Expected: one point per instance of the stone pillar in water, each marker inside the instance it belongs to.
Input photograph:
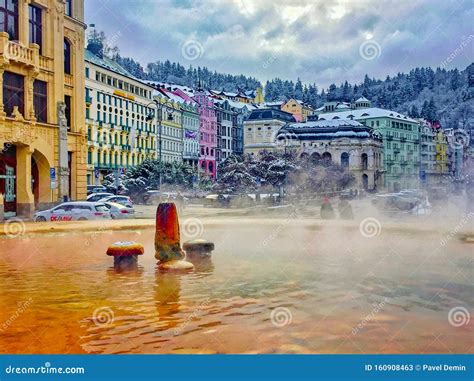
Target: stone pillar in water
(167, 239)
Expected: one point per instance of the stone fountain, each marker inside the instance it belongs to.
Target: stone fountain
(167, 240)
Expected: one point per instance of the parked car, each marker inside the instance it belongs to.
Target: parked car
(240, 200)
(95, 189)
(151, 197)
(394, 201)
(122, 200)
(74, 211)
(98, 196)
(120, 212)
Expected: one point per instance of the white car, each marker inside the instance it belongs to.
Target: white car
(122, 200)
(98, 196)
(74, 211)
(120, 212)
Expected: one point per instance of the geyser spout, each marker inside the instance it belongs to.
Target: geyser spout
(168, 241)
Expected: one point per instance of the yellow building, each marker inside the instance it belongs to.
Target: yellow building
(441, 152)
(300, 110)
(259, 97)
(41, 72)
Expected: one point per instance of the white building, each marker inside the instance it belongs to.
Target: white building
(117, 106)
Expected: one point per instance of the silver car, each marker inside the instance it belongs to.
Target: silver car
(120, 212)
(74, 211)
(98, 196)
(122, 200)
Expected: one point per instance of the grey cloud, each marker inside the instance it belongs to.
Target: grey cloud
(317, 41)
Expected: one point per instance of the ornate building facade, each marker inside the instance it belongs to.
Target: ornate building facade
(345, 142)
(42, 83)
(117, 106)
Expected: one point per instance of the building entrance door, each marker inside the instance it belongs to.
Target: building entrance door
(8, 181)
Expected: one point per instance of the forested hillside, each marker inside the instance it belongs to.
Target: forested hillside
(435, 94)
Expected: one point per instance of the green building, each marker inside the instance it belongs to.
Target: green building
(401, 140)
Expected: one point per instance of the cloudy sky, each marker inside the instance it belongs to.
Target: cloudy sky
(318, 41)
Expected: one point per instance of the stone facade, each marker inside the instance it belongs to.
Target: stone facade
(346, 143)
(36, 77)
(261, 128)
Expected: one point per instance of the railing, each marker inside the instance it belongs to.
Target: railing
(46, 63)
(15, 51)
(68, 80)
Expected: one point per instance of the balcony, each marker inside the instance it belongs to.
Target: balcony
(88, 99)
(389, 137)
(46, 63)
(403, 139)
(17, 52)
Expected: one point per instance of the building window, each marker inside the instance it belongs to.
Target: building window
(9, 18)
(13, 92)
(68, 8)
(67, 101)
(40, 100)
(345, 160)
(36, 26)
(87, 72)
(67, 57)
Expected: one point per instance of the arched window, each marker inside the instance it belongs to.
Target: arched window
(326, 158)
(67, 57)
(345, 160)
(315, 158)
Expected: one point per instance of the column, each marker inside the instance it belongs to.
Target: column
(25, 198)
(29, 112)
(2, 111)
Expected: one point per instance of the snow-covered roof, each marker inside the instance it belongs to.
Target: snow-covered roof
(327, 129)
(366, 113)
(362, 99)
(327, 123)
(109, 64)
(185, 89)
(236, 104)
(272, 104)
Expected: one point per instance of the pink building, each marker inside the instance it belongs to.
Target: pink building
(207, 133)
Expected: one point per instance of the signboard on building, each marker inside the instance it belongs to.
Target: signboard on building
(52, 177)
